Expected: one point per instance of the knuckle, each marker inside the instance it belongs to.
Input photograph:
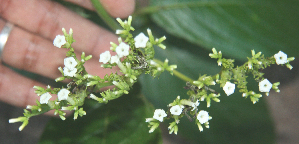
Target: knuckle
(49, 23)
(31, 56)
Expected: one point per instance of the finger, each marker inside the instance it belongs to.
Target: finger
(18, 90)
(32, 53)
(46, 18)
(116, 8)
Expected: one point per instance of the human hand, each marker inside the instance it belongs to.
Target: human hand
(30, 43)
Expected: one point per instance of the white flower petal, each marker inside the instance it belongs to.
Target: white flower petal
(69, 72)
(229, 88)
(159, 115)
(122, 50)
(114, 59)
(70, 62)
(265, 85)
(203, 116)
(176, 110)
(44, 98)
(281, 58)
(105, 57)
(141, 40)
(195, 105)
(63, 94)
(59, 41)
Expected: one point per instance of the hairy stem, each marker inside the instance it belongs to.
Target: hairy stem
(104, 15)
(176, 73)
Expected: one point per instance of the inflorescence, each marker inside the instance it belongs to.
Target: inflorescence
(134, 56)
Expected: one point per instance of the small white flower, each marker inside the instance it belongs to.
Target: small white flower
(69, 72)
(176, 110)
(115, 83)
(29, 107)
(149, 119)
(59, 41)
(195, 105)
(70, 62)
(265, 85)
(64, 108)
(71, 31)
(122, 50)
(203, 116)
(213, 83)
(249, 65)
(153, 63)
(93, 96)
(44, 98)
(159, 115)
(114, 59)
(105, 57)
(63, 94)
(119, 31)
(229, 88)
(281, 58)
(141, 40)
(219, 63)
(14, 120)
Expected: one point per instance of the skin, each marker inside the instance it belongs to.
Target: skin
(30, 44)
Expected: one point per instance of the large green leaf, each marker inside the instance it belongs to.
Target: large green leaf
(119, 121)
(235, 119)
(233, 26)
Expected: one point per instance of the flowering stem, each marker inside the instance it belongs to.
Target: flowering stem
(176, 73)
(104, 15)
(182, 76)
(102, 85)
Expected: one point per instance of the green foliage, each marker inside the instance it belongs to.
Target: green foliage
(232, 26)
(119, 121)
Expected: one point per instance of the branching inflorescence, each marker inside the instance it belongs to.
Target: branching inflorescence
(227, 78)
(134, 56)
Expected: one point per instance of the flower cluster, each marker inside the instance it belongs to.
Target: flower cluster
(134, 56)
(239, 74)
(254, 66)
(70, 67)
(177, 109)
(200, 89)
(69, 98)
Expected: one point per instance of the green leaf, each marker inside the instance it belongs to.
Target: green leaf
(235, 119)
(232, 26)
(120, 121)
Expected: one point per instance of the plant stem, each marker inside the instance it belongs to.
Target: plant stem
(182, 76)
(177, 74)
(102, 85)
(104, 15)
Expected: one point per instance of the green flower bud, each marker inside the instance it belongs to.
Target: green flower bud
(88, 58)
(59, 79)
